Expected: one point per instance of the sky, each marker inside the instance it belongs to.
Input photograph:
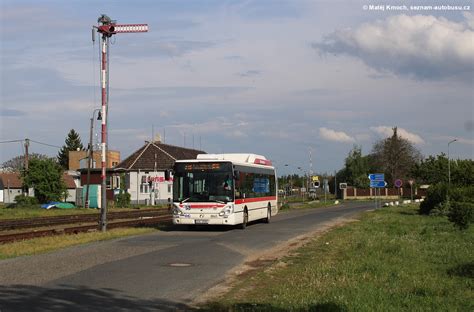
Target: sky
(300, 82)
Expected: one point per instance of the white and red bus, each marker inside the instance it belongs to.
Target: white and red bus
(226, 189)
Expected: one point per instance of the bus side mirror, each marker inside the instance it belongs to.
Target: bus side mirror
(167, 175)
(236, 175)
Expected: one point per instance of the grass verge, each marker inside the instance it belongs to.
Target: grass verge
(47, 244)
(37, 211)
(392, 260)
(306, 205)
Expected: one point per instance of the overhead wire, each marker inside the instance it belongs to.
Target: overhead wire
(11, 141)
(45, 144)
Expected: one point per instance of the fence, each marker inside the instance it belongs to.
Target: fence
(387, 193)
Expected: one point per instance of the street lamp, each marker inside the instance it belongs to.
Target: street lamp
(90, 156)
(449, 171)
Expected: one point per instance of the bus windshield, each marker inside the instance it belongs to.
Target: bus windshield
(203, 182)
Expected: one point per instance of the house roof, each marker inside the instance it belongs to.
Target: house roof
(10, 180)
(156, 156)
(69, 181)
(13, 180)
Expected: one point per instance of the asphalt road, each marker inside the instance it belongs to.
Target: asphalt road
(162, 271)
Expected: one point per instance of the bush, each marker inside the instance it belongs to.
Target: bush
(462, 194)
(123, 199)
(441, 209)
(23, 200)
(461, 214)
(436, 195)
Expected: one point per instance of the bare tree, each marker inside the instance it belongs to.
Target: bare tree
(17, 163)
(396, 156)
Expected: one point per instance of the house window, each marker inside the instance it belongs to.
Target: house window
(115, 182)
(144, 188)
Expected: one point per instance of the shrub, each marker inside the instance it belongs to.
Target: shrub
(123, 199)
(462, 194)
(441, 209)
(461, 214)
(23, 200)
(435, 196)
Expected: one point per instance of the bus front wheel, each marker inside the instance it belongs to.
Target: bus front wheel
(245, 220)
(269, 215)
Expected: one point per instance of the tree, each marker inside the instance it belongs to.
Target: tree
(18, 163)
(73, 143)
(433, 170)
(356, 169)
(46, 177)
(396, 157)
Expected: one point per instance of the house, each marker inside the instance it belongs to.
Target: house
(147, 172)
(11, 186)
(148, 175)
(78, 159)
(71, 179)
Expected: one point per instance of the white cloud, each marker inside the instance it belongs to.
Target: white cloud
(332, 135)
(388, 131)
(422, 46)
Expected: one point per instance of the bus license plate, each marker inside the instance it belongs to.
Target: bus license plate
(201, 221)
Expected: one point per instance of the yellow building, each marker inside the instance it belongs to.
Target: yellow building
(78, 159)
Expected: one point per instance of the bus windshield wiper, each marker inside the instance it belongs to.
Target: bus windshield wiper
(186, 199)
(217, 201)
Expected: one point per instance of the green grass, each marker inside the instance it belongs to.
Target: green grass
(392, 260)
(37, 211)
(48, 244)
(306, 205)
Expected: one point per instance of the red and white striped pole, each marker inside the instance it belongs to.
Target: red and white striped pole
(107, 29)
(104, 70)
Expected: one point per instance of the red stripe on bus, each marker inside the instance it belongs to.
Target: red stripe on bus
(253, 200)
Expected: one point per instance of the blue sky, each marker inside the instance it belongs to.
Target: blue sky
(279, 78)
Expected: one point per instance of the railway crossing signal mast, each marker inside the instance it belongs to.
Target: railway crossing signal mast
(107, 28)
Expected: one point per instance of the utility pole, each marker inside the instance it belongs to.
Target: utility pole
(107, 28)
(90, 159)
(27, 144)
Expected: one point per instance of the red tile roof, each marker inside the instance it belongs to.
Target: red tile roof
(10, 180)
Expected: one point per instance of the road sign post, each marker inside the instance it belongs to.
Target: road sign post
(411, 189)
(377, 181)
(398, 184)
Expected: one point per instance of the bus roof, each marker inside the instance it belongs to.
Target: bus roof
(244, 159)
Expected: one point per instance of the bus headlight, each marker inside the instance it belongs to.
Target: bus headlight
(177, 211)
(227, 210)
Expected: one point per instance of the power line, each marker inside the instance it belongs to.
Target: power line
(41, 143)
(50, 145)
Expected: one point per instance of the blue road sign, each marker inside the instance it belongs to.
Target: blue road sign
(378, 184)
(376, 177)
